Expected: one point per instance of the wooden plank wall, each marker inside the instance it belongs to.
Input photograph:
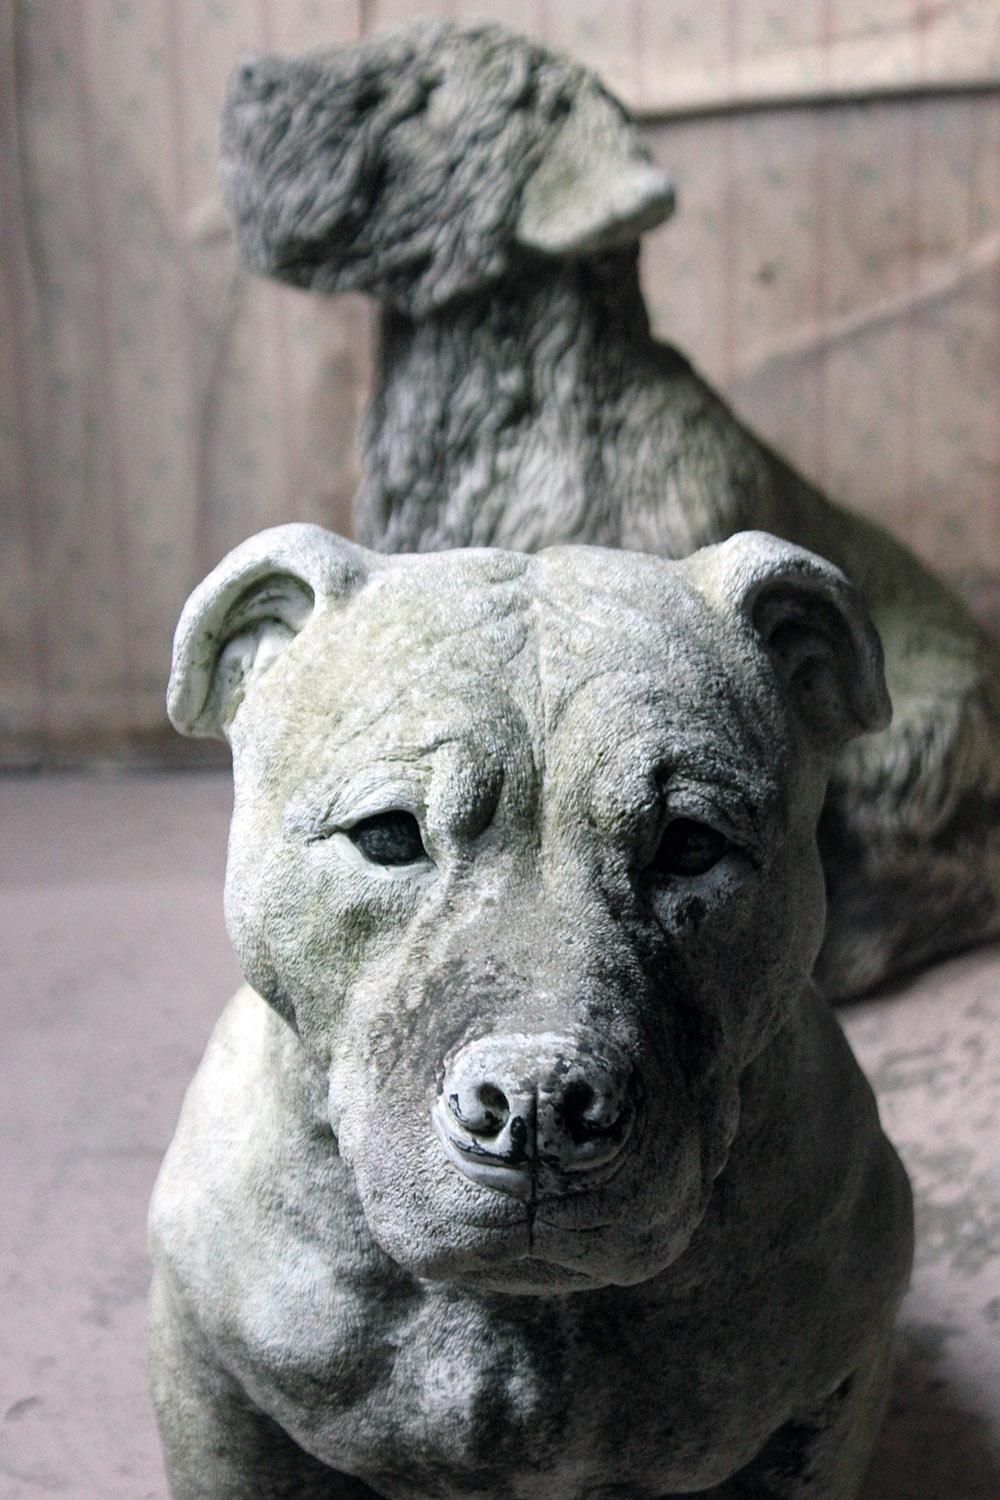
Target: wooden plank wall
(834, 265)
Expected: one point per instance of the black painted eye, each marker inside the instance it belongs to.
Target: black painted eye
(389, 838)
(688, 848)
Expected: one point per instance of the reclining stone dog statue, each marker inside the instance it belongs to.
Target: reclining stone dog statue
(491, 194)
(532, 1163)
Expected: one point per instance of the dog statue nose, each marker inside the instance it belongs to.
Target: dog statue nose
(514, 1110)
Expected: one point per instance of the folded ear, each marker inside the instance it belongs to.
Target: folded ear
(246, 612)
(595, 186)
(814, 625)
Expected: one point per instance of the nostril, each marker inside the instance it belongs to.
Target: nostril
(588, 1113)
(580, 1112)
(496, 1110)
(483, 1110)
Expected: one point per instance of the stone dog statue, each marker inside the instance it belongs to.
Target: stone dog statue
(532, 1163)
(491, 194)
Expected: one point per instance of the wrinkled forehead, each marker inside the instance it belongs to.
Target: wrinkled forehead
(578, 659)
(428, 650)
(639, 669)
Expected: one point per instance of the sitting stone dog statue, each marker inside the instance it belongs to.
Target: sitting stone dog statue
(491, 194)
(532, 1164)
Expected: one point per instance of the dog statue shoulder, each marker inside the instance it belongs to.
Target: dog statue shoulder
(532, 1163)
(491, 194)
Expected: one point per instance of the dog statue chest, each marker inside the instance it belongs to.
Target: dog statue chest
(423, 1387)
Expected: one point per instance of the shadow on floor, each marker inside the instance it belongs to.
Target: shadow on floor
(932, 1446)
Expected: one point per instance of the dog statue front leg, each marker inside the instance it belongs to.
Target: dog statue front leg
(821, 1454)
(216, 1444)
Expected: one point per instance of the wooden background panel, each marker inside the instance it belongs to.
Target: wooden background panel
(838, 272)
(834, 265)
(678, 56)
(163, 403)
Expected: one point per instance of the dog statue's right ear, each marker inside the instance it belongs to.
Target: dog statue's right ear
(595, 186)
(246, 612)
(812, 622)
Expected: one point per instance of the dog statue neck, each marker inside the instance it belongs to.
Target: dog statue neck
(497, 404)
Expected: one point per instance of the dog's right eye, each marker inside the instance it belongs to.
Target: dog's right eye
(688, 848)
(389, 838)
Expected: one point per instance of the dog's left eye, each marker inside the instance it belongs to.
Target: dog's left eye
(389, 838)
(687, 848)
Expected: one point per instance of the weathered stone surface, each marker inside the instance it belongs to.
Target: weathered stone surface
(490, 194)
(532, 1162)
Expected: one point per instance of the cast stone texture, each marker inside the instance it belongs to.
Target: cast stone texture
(490, 194)
(532, 1160)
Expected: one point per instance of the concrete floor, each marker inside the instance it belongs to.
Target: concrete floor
(115, 965)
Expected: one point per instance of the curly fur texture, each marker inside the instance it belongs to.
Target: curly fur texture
(491, 194)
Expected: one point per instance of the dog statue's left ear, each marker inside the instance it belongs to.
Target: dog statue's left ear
(247, 612)
(812, 622)
(595, 187)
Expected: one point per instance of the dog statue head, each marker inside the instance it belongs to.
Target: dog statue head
(524, 850)
(421, 166)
